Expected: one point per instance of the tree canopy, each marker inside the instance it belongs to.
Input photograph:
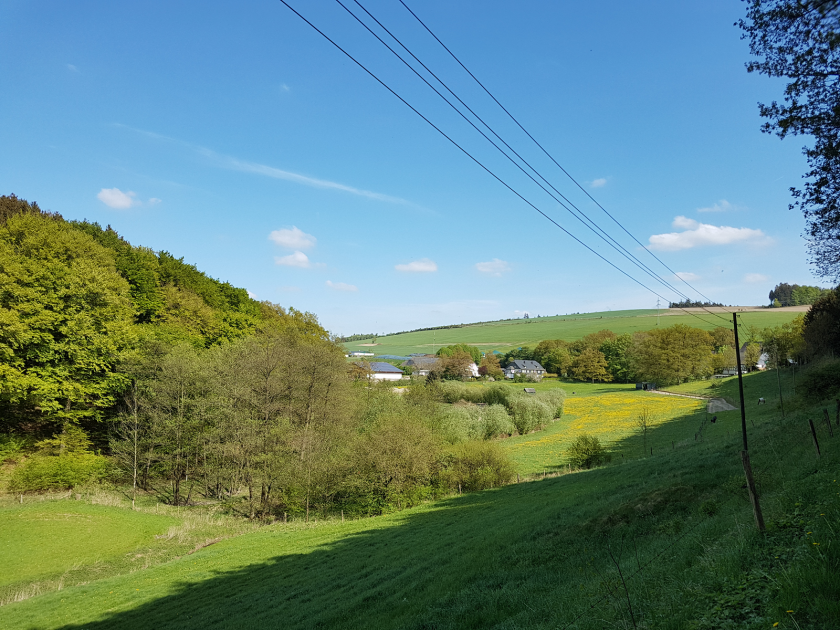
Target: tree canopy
(799, 40)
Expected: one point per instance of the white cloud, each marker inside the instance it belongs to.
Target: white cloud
(494, 267)
(252, 295)
(342, 286)
(296, 259)
(696, 234)
(721, 206)
(72, 68)
(285, 87)
(115, 198)
(293, 238)
(153, 201)
(687, 276)
(231, 163)
(756, 278)
(424, 265)
(598, 183)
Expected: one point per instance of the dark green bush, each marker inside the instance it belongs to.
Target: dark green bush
(587, 451)
(821, 381)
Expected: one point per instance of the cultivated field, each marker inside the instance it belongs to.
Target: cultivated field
(505, 335)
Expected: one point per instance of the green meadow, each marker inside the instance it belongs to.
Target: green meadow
(655, 541)
(508, 334)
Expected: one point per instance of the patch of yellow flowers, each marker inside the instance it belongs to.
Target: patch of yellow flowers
(607, 416)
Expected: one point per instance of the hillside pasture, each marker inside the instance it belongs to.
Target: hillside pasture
(537, 555)
(509, 334)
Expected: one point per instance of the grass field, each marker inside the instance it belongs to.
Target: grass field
(34, 537)
(541, 554)
(505, 335)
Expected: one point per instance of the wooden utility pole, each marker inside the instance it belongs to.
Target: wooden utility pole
(745, 456)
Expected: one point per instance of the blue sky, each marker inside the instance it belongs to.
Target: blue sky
(235, 136)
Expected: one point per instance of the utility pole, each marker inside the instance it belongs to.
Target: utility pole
(745, 456)
(657, 311)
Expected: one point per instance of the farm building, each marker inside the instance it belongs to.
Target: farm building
(381, 371)
(528, 368)
(422, 365)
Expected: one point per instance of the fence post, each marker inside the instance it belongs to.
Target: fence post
(759, 518)
(828, 422)
(814, 436)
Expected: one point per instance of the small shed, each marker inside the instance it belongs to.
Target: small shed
(529, 390)
(646, 386)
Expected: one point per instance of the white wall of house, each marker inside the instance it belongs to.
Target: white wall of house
(386, 376)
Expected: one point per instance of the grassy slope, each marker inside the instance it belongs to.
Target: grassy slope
(34, 537)
(505, 335)
(528, 555)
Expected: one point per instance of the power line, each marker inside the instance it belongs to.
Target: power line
(479, 163)
(513, 118)
(611, 242)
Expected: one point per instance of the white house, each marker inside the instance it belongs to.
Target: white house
(528, 368)
(381, 371)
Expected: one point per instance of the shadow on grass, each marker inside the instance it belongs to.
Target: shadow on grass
(510, 555)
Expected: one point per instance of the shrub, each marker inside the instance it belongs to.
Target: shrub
(554, 398)
(462, 422)
(44, 472)
(587, 451)
(822, 381)
(524, 378)
(476, 465)
(454, 391)
(496, 394)
(529, 413)
(11, 447)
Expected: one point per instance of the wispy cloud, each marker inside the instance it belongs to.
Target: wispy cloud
(342, 286)
(117, 199)
(721, 206)
(72, 68)
(252, 295)
(153, 201)
(687, 276)
(598, 183)
(494, 267)
(756, 278)
(424, 265)
(696, 234)
(295, 259)
(285, 87)
(234, 164)
(293, 238)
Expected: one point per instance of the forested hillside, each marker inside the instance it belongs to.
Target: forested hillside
(78, 302)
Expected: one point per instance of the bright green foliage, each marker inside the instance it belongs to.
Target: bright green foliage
(617, 355)
(60, 463)
(672, 355)
(590, 365)
(477, 465)
(448, 351)
(529, 413)
(138, 265)
(65, 320)
(587, 452)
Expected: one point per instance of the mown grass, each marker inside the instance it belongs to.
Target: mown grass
(506, 335)
(53, 541)
(543, 554)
